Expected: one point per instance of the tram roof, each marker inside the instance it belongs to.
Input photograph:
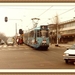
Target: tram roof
(39, 27)
(36, 28)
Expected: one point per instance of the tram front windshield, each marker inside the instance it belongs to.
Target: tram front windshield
(44, 33)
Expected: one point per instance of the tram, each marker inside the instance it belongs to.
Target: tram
(38, 37)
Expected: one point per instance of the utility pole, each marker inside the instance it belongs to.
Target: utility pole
(16, 28)
(57, 31)
(16, 31)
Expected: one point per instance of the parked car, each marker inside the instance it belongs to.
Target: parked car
(69, 55)
(10, 41)
(2, 42)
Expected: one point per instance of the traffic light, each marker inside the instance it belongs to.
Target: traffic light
(20, 31)
(6, 19)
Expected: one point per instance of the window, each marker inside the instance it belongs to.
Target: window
(44, 33)
(32, 34)
(38, 33)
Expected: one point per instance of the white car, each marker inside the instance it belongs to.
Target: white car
(10, 41)
(69, 54)
(2, 42)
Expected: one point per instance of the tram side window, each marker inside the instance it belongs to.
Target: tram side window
(38, 33)
(47, 33)
(26, 35)
(32, 34)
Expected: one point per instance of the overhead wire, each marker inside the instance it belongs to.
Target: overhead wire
(64, 12)
(67, 11)
(44, 12)
(53, 17)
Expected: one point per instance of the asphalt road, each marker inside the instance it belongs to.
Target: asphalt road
(25, 57)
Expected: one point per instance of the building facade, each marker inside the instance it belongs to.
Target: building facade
(66, 31)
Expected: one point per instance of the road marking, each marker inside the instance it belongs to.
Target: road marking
(4, 46)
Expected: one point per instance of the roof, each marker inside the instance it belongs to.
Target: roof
(36, 28)
(62, 23)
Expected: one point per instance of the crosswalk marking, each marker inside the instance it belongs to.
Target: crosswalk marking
(6, 46)
(12, 46)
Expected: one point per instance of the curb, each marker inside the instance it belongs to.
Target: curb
(60, 46)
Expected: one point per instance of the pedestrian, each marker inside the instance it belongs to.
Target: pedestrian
(50, 39)
(17, 40)
(21, 41)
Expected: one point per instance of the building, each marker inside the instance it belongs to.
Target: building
(66, 31)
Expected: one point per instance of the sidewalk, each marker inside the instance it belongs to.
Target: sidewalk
(61, 45)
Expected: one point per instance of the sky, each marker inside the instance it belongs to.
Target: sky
(21, 14)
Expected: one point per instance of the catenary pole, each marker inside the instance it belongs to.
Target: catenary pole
(57, 41)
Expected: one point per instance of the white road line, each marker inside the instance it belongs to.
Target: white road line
(11, 46)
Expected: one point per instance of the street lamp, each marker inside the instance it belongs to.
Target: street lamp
(35, 22)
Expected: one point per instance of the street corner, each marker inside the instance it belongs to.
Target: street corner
(54, 46)
(58, 46)
(63, 46)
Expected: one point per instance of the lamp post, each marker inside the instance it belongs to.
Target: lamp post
(35, 22)
(16, 29)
